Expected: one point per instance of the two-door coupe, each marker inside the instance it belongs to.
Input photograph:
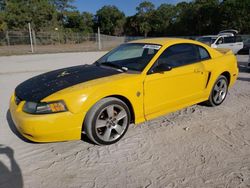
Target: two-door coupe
(133, 83)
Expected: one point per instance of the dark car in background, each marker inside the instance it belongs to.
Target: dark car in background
(246, 47)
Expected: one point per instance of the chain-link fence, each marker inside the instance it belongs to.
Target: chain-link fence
(19, 42)
(16, 42)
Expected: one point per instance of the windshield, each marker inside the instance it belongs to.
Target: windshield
(132, 56)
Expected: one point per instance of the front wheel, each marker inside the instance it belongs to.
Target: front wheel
(219, 92)
(107, 121)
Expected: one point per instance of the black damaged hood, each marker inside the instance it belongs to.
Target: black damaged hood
(41, 86)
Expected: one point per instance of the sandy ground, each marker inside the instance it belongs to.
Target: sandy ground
(195, 147)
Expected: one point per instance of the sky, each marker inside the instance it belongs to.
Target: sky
(127, 6)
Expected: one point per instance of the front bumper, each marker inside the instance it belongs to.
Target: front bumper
(47, 127)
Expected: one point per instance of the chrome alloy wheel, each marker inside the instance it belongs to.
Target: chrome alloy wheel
(220, 91)
(111, 123)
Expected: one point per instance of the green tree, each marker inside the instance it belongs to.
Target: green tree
(73, 20)
(132, 26)
(88, 22)
(207, 16)
(184, 20)
(144, 15)
(2, 22)
(18, 14)
(79, 22)
(235, 14)
(2, 9)
(162, 19)
(110, 20)
(2, 5)
(63, 7)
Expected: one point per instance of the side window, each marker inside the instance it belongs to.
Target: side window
(179, 55)
(203, 53)
(219, 41)
(229, 39)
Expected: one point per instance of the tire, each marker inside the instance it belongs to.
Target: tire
(219, 92)
(107, 121)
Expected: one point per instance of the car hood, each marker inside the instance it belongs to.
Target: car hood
(41, 86)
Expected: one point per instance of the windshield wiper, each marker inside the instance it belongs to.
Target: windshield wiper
(109, 64)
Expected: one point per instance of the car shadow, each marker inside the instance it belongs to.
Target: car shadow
(244, 69)
(243, 79)
(13, 128)
(10, 177)
(85, 138)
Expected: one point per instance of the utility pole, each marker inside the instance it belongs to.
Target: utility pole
(8, 38)
(99, 39)
(31, 40)
(34, 39)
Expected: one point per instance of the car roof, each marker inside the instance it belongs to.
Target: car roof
(208, 36)
(232, 31)
(163, 41)
(226, 35)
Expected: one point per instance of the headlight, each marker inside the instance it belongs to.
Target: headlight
(44, 107)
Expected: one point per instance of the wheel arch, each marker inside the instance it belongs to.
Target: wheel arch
(117, 96)
(128, 103)
(227, 75)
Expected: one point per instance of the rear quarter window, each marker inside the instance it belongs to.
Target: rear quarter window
(203, 53)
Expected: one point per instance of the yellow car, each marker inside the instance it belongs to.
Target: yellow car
(133, 83)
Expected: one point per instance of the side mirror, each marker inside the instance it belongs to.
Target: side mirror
(162, 68)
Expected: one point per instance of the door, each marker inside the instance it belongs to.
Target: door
(217, 42)
(182, 85)
(238, 44)
(231, 42)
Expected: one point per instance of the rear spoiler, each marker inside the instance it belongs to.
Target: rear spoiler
(224, 51)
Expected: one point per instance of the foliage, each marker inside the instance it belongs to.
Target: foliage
(163, 18)
(63, 5)
(2, 4)
(110, 20)
(144, 17)
(62, 8)
(2, 23)
(79, 22)
(18, 14)
(236, 14)
(196, 17)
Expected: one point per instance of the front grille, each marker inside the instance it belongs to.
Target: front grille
(17, 100)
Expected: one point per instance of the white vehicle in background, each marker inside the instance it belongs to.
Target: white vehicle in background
(225, 39)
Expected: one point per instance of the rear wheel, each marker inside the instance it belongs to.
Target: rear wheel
(219, 92)
(107, 121)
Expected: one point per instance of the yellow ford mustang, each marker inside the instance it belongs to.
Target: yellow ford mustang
(133, 83)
